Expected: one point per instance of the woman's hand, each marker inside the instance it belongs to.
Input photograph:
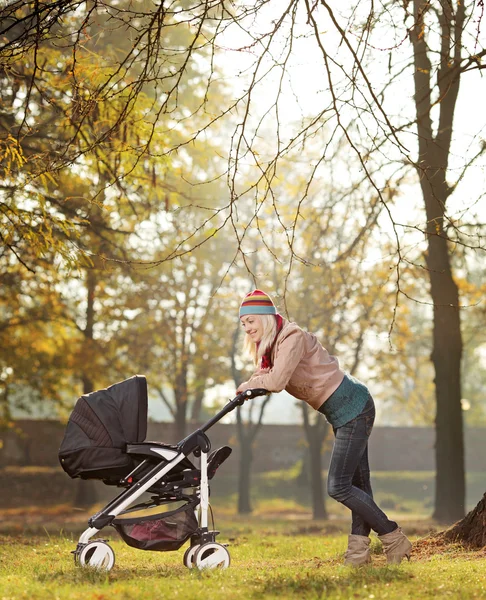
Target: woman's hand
(243, 387)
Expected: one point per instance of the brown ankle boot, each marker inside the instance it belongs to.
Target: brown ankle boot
(396, 546)
(358, 552)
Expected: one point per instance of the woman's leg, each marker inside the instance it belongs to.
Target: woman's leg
(361, 480)
(350, 449)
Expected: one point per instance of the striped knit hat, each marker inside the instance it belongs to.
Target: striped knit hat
(257, 303)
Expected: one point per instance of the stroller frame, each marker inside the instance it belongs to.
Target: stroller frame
(204, 551)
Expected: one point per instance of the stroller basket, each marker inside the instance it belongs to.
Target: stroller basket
(163, 532)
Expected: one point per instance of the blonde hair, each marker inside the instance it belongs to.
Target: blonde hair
(256, 351)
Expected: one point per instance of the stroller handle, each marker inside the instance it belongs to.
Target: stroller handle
(198, 440)
(248, 394)
(232, 404)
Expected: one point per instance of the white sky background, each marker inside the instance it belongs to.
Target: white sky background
(305, 93)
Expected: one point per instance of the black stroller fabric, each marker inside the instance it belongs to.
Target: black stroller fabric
(162, 532)
(99, 428)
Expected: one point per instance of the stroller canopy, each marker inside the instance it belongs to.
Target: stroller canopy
(99, 428)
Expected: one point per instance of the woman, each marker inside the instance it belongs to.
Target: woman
(292, 359)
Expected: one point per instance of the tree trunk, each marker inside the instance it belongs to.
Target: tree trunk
(446, 354)
(317, 482)
(316, 434)
(432, 168)
(472, 529)
(180, 418)
(244, 479)
(446, 357)
(85, 493)
(181, 397)
(88, 331)
(246, 437)
(247, 434)
(303, 477)
(197, 406)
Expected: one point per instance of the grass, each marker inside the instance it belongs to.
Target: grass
(271, 558)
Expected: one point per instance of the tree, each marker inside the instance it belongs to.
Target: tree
(177, 332)
(36, 343)
(433, 157)
(81, 89)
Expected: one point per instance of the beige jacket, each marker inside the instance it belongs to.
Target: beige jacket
(301, 366)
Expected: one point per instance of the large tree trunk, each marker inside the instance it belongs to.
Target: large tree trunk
(472, 529)
(446, 357)
(432, 169)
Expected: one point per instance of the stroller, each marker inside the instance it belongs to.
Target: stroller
(104, 440)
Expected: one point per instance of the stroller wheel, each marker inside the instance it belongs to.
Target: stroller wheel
(97, 555)
(189, 554)
(212, 556)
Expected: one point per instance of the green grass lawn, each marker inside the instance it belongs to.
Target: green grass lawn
(271, 558)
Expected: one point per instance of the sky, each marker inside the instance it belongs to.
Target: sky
(304, 93)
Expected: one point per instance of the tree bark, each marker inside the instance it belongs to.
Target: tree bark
(446, 357)
(432, 169)
(197, 406)
(85, 489)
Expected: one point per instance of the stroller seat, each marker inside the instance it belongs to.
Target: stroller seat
(157, 450)
(185, 471)
(168, 451)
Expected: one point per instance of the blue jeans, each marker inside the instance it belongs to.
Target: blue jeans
(348, 479)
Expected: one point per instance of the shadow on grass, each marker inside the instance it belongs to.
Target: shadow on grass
(317, 582)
